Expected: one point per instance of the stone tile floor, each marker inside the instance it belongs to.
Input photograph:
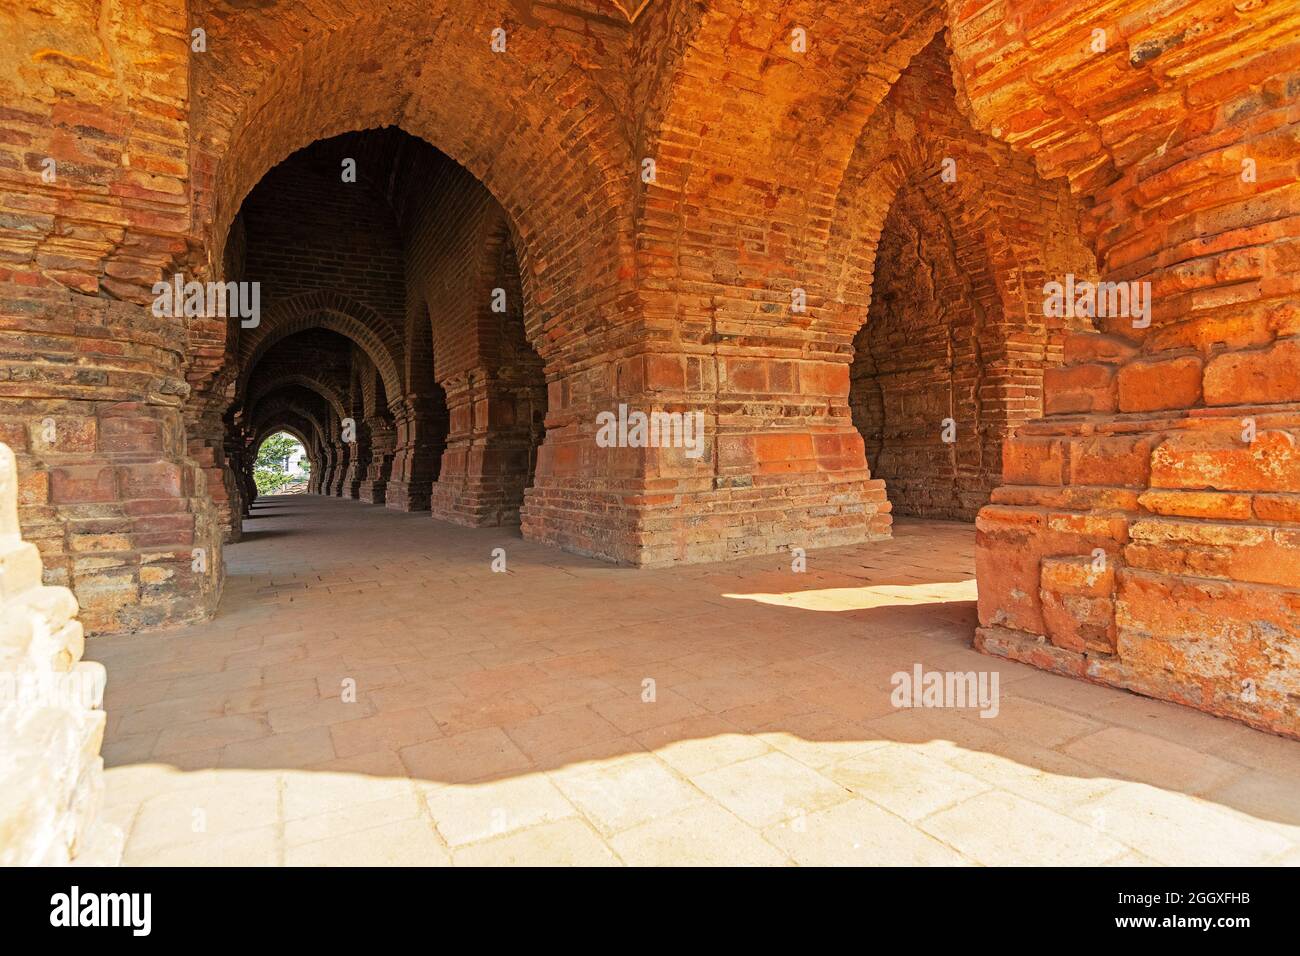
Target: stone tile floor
(371, 692)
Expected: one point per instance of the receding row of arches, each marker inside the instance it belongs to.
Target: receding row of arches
(655, 194)
(391, 338)
(395, 340)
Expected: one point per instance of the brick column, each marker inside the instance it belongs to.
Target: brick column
(421, 426)
(383, 442)
(317, 480)
(108, 488)
(339, 472)
(486, 465)
(1147, 531)
(208, 446)
(239, 475)
(317, 456)
(329, 466)
(358, 463)
(94, 382)
(781, 464)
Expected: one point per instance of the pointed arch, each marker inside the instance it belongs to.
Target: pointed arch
(325, 310)
(317, 385)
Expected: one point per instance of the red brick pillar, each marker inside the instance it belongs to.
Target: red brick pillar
(486, 465)
(383, 441)
(208, 441)
(240, 471)
(421, 427)
(108, 489)
(358, 463)
(1147, 532)
(225, 495)
(801, 467)
(97, 209)
(241, 466)
(329, 466)
(765, 478)
(232, 477)
(320, 468)
(338, 474)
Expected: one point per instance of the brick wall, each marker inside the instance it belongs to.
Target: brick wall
(308, 231)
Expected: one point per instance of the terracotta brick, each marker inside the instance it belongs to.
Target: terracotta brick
(1082, 348)
(1277, 508)
(1111, 461)
(1079, 389)
(1088, 575)
(1259, 376)
(1197, 504)
(79, 484)
(1147, 386)
(1225, 463)
(1033, 461)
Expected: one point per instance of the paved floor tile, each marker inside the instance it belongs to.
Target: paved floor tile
(375, 694)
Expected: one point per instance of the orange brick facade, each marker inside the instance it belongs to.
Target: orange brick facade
(827, 228)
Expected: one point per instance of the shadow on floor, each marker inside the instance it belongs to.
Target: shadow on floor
(772, 690)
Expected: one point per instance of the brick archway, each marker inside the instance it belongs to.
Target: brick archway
(321, 388)
(564, 186)
(282, 425)
(485, 110)
(968, 347)
(291, 422)
(275, 404)
(283, 404)
(493, 381)
(325, 310)
(296, 427)
(748, 138)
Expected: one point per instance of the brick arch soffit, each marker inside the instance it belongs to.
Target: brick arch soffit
(417, 367)
(859, 221)
(846, 83)
(542, 173)
(277, 399)
(371, 385)
(353, 394)
(275, 417)
(498, 236)
(509, 244)
(278, 405)
(324, 310)
(496, 233)
(320, 387)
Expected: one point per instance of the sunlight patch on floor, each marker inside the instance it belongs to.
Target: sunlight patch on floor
(783, 798)
(863, 598)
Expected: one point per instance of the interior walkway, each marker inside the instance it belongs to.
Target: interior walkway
(501, 717)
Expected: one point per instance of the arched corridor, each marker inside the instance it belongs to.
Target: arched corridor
(394, 295)
(672, 302)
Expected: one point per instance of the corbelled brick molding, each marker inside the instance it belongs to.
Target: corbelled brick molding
(51, 716)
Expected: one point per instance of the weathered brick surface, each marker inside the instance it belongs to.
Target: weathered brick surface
(798, 269)
(1182, 434)
(955, 331)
